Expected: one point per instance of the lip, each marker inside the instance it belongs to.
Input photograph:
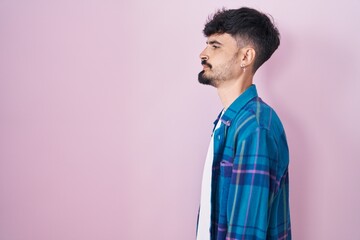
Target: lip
(205, 67)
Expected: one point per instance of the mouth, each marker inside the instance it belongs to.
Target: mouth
(205, 66)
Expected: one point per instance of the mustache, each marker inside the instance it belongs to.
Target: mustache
(203, 62)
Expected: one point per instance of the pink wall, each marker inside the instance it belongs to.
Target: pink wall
(104, 128)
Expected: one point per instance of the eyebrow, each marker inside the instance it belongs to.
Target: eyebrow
(213, 42)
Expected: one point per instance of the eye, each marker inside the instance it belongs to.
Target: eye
(214, 46)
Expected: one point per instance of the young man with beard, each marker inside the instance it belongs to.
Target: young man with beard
(245, 193)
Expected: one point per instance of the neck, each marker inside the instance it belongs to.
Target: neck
(230, 90)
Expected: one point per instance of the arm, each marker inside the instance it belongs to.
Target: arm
(252, 187)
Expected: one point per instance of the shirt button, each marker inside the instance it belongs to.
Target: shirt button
(219, 137)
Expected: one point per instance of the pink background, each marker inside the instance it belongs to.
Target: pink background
(104, 128)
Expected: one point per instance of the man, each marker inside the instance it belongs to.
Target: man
(245, 183)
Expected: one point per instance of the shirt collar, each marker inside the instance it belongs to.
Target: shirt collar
(237, 105)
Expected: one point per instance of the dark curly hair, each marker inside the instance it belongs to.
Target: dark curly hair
(247, 26)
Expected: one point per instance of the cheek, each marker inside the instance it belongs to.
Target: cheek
(237, 69)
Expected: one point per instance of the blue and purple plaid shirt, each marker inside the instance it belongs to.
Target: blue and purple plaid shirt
(250, 194)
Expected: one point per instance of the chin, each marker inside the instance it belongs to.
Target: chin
(203, 79)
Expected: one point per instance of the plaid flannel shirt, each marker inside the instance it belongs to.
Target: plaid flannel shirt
(249, 188)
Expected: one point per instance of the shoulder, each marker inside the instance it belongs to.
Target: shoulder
(256, 116)
(259, 127)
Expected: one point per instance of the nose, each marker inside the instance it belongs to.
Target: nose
(203, 56)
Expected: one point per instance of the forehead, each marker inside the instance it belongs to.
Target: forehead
(224, 39)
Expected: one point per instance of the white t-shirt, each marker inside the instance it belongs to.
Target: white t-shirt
(203, 232)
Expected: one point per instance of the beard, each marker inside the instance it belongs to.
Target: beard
(215, 75)
(206, 80)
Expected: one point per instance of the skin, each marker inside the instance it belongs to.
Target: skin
(232, 66)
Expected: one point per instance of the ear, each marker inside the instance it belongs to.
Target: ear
(248, 56)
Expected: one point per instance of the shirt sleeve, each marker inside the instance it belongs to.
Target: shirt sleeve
(253, 186)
